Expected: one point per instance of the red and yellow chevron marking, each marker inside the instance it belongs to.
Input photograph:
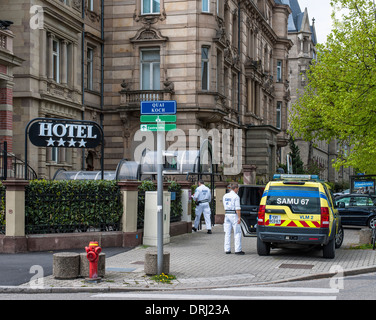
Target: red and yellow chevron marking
(295, 223)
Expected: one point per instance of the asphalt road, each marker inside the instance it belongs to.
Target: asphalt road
(190, 302)
(16, 269)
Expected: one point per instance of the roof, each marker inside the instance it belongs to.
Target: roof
(298, 19)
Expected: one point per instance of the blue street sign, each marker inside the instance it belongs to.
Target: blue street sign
(158, 107)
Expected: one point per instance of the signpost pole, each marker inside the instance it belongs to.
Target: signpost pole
(159, 112)
(160, 138)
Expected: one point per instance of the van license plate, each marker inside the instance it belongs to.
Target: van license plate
(274, 219)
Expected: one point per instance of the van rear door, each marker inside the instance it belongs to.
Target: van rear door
(250, 197)
(293, 206)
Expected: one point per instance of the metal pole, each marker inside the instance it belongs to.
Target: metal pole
(160, 144)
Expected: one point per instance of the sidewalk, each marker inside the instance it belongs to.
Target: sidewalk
(198, 260)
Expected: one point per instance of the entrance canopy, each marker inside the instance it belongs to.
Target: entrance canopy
(178, 162)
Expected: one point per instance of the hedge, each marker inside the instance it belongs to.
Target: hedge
(72, 206)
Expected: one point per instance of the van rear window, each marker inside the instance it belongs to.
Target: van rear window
(250, 196)
(299, 200)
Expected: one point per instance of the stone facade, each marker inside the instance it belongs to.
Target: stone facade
(225, 62)
(217, 59)
(8, 61)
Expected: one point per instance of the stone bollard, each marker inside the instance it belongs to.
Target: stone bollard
(84, 265)
(365, 236)
(66, 265)
(151, 263)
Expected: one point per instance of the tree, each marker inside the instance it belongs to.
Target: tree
(297, 163)
(339, 101)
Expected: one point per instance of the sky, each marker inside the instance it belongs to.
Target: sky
(321, 11)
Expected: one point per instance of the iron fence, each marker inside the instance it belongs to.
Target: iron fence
(13, 167)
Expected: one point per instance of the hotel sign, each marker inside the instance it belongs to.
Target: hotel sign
(65, 133)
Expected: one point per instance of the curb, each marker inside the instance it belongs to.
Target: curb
(41, 290)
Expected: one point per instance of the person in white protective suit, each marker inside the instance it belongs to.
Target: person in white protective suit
(231, 203)
(202, 197)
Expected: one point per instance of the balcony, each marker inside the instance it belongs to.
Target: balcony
(131, 99)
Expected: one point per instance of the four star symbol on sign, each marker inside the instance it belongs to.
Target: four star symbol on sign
(61, 143)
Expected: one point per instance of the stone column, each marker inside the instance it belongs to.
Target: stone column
(249, 174)
(186, 201)
(129, 190)
(64, 64)
(51, 38)
(43, 54)
(15, 240)
(219, 192)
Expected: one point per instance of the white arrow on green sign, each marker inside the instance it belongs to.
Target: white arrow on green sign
(158, 118)
(158, 127)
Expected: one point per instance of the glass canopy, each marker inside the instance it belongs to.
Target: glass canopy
(179, 162)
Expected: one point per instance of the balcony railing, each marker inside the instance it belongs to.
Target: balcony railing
(134, 97)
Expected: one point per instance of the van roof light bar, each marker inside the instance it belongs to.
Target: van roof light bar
(296, 177)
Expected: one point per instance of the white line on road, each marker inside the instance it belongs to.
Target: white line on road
(161, 296)
(280, 289)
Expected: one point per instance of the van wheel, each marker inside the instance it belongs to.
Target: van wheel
(329, 250)
(263, 248)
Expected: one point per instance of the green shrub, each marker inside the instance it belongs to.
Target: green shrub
(73, 205)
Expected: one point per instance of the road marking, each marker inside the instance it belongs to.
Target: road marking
(280, 289)
(159, 296)
(167, 296)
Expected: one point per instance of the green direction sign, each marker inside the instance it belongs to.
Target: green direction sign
(158, 118)
(158, 127)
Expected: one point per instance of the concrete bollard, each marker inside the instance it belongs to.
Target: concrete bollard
(84, 265)
(365, 236)
(66, 265)
(151, 263)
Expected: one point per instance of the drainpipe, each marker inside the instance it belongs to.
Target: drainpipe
(239, 55)
(102, 62)
(82, 74)
(102, 86)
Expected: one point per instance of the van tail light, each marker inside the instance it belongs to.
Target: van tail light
(325, 217)
(261, 216)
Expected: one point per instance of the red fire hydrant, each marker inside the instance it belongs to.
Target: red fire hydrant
(93, 251)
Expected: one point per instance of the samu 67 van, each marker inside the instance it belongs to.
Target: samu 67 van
(298, 209)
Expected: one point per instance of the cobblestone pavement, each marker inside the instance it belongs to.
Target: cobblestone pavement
(198, 260)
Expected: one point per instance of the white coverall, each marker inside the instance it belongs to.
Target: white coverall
(231, 203)
(202, 193)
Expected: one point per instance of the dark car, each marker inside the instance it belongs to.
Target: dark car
(250, 197)
(357, 209)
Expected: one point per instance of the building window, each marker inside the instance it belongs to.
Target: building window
(89, 68)
(279, 115)
(90, 5)
(56, 61)
(279, 71)
(55, 154)
(234, 90)
(150, 69)
(205, 68)
(235, 29)
(205, 6)
(219, 72)
(151, 6)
